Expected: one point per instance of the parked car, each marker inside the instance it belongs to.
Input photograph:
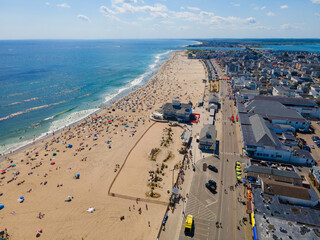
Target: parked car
(213, 168)
(315, 138)
(312, 146)
(306, 147)
(212, 183)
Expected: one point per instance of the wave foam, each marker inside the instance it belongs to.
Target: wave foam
(138, 80)
(70, 119)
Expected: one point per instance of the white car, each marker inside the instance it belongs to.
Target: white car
(312, 146)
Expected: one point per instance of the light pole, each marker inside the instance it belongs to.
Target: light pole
(172, 178)
(182, 207)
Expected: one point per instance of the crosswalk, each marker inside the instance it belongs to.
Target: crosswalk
(199, 210)
(204, 218)
(231, 154)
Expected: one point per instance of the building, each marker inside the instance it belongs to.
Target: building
(177, 111)
(316, 175)
(282, 91)
(306, 107)
(276, 113)
(290, 194)
(279, 175)
(262, 143)
(207, 139)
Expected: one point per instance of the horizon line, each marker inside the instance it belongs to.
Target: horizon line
(194, 39)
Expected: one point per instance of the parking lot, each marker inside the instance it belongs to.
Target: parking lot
(202, 203)
(315, 152)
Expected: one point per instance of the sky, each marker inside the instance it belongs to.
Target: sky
(141, 19)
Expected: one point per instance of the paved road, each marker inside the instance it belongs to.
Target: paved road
(202, 204)
(229, 210)
(208, 208)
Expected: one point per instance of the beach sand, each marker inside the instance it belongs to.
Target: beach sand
(100, 145)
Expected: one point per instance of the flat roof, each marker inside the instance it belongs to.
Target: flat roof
(304, 215)
(273, 187)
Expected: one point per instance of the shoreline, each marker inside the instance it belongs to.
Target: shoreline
(113, 101)
(122, 136)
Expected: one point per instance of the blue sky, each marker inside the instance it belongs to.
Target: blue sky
(103, 19)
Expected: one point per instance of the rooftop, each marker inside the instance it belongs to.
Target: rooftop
(273, 187)
(208, 133)
(288, 101)
(273, 171)
(273, 110)
(269, 204)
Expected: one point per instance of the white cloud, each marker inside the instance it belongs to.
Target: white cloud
(236, 4)
(84, 18)
(317, 14)
(124, 1)
(127, 7)
(63, 5)
(315, 1)
(159, 15)
(284, 6)
(206, 13)
(259, 8)
(109, 13)
(262, 28)
(106, 10)
(270, 14)
(167, 22)
(193, 8)
(250, 20)
(182, 8)
(288, 27)
(47, 3)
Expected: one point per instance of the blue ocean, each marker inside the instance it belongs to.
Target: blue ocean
(48, 84)
(305, 47)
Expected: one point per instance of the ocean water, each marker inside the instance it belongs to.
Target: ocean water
(305, 47)
(48, 84)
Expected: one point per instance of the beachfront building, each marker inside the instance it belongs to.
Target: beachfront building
(177, 111)
(207, 139)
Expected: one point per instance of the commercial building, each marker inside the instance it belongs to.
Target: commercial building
(177, 111)
(207, 139)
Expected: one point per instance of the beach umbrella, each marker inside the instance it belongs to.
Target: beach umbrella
(1, 206)
(70, 146)
(109, 121)
(52, 163)
(22, 197)
(54, 154)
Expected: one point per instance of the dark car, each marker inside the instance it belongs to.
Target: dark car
(213, 168)
(302, 140)
(212, 183)
(315, 138)
(306, 147)
(211, 188)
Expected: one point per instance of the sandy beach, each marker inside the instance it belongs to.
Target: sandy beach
(111, 153)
